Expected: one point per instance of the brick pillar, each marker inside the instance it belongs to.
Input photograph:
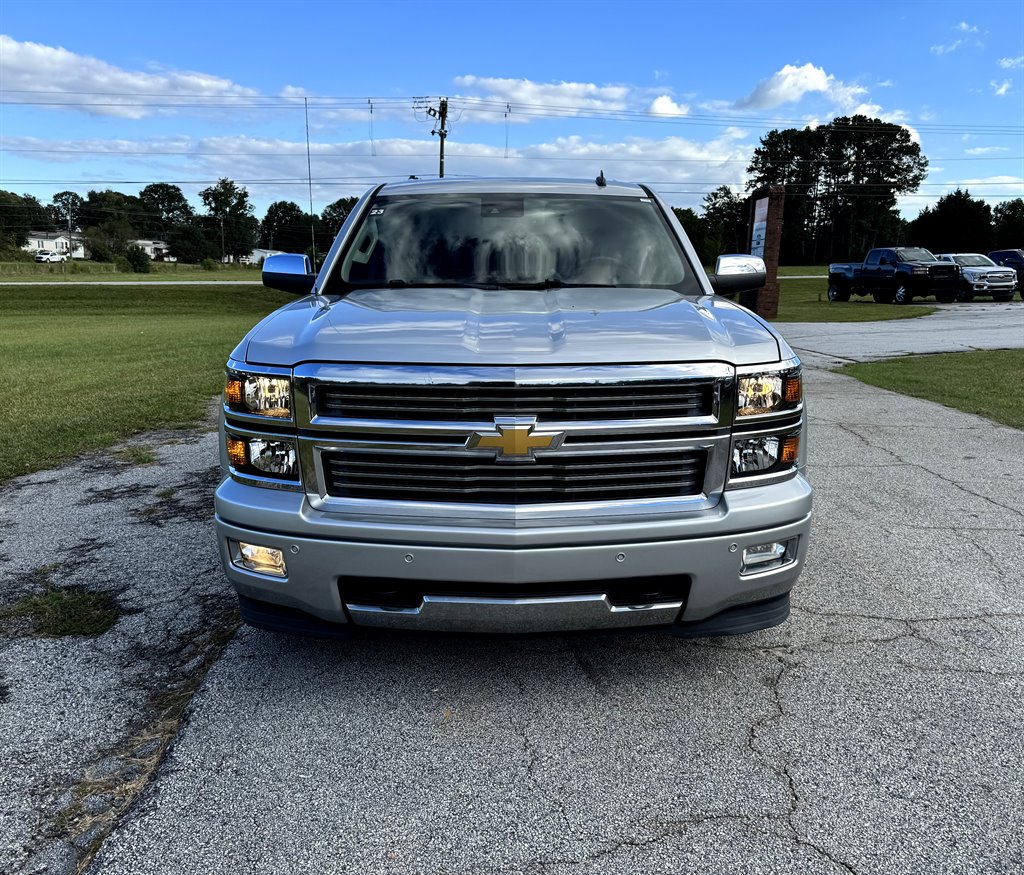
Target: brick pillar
(768, 296)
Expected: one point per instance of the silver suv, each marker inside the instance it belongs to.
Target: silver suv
(508, 406)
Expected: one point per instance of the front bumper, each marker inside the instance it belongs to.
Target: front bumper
(536, 580)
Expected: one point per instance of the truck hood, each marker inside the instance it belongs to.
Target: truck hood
(483, 326)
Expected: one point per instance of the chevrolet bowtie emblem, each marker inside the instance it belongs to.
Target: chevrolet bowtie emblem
(514, 439)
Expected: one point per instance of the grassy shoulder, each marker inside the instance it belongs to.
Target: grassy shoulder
(87, 366)
(983, 382)
(77, 271)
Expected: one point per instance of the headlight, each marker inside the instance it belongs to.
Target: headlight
(919, 271)
(771, 392)
(259, 394)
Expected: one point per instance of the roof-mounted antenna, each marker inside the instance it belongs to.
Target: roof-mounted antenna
(601, 181)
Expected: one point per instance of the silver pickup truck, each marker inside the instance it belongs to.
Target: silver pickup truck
(513, 406)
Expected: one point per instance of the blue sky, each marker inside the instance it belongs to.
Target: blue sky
(676, 94)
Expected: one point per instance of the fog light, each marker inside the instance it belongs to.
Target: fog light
(254, 557)
(763, 557)
(273, 457)
(762, 454)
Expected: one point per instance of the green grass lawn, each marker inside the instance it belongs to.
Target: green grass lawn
(86, 366)
(984, 382)
(806, 301)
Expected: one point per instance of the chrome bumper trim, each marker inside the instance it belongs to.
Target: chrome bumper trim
(474, 614)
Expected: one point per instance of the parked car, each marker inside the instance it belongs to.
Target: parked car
(895, 275)
(980, 275)
(513, 406)
(1011, 258)
(48, 256)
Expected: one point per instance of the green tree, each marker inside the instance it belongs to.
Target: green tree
(957, 223)
(189, 243)
(334, 215)
(285, 227)
(65, 210)
(20, 214)
(136, 256)
(1008, 224)
(725, 224)
(165, 207)
(841, 182)
(692, 225)
(227, 205)
(109, 239)
(111, 206)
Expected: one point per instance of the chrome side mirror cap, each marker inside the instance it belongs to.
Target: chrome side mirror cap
(289, 273)
(738, 273)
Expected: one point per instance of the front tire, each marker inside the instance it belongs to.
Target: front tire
(882, 297)
(1003, 298)
(903, 294)
(946, 297)
(837, 292)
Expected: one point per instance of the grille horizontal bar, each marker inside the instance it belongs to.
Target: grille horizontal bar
(403, 476)
(656, 399)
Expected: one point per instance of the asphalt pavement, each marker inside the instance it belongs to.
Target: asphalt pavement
(880, 730)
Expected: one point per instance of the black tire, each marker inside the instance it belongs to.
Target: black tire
(903, 294)
(947, 297)
(837, 292)
(882, 297)
(1003, 298)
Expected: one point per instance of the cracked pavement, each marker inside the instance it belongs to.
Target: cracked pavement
(879, 730)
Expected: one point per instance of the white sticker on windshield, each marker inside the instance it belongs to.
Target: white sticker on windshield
(377, 211)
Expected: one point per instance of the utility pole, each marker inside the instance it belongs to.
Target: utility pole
(441, 114)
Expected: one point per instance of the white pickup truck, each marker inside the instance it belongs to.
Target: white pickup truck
(511, 406)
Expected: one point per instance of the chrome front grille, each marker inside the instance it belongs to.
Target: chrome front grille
(465, 478)
(582, 402)
(601, 440)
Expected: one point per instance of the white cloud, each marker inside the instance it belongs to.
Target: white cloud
(557, 98)
(964, 27)
(947, 48)
(885, 83)
(1001, 89)
(791, 83)
(98, 88)
(1012, 63)
(985, 150)
(665, 105)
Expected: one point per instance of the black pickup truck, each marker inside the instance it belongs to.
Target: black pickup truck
(895, 275)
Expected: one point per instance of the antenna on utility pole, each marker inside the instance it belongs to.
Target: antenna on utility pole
(441, 114)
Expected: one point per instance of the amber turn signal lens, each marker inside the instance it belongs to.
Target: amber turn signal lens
(236, 452)
(233, 392)
(794, 390)
(790, 450)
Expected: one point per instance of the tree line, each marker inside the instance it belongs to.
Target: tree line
(842, 181)
(109, 222)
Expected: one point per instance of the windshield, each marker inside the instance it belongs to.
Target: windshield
(515, 240)
(915, 255)
(974, 260)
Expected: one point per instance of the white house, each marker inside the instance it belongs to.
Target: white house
(259, 254)
(55, 241)
(155, 249)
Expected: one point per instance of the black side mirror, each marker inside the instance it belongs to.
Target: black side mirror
(289, 273)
